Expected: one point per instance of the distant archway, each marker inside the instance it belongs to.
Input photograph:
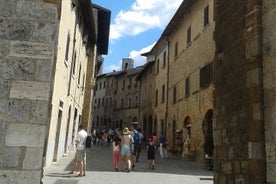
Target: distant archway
(134, 119)
(207, 128)
(187, 126)
(145, 126)
(155, 126)
(150, 128)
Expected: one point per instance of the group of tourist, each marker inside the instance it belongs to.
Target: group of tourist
(126, 148)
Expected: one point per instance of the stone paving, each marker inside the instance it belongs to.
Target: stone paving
(100, 171)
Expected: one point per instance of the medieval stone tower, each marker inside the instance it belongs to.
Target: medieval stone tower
(244, 95)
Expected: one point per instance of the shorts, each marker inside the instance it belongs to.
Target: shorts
(136, 149)
(80, 155)
(125, 150)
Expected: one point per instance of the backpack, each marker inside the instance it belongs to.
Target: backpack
(136, 137)
(88, 141)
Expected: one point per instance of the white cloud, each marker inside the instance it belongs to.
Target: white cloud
(143, 15)
(113, 67)
(136, 55)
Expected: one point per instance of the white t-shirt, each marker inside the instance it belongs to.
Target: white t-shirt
(116, 148)
(81, 137)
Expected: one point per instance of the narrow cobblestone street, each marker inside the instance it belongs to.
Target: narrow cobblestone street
(100, 171)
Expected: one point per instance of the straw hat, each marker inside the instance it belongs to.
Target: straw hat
(125, 131)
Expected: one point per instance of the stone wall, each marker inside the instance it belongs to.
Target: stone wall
(238, 96)
(27, 42)
(269, 77)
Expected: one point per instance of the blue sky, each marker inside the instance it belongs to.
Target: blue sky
(135, 27)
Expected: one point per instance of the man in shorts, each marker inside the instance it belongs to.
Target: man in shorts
(80, 152)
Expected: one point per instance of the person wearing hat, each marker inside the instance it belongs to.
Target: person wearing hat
(126, 139)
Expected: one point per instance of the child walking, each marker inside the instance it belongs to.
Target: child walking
(151, 147)
(116, 152)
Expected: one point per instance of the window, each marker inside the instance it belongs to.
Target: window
(164, 59)
(187, 86)
(116, 86)
(102, 102)
(126, 66)
(83, 80)
(130, 82)
(104, 85)
(124, 82)
(110, 101)
(156, 97)
(67, 47)
(157, 67)
(205, 75)
(106, 102)
(176, 49)
(189, 35)
(136, 101)
(129, 102)
(163, 94)
(174, 94)
(74, 63)
(99, 102)
(79, 76)
(206, 16)
(100, 85)
(122, 103)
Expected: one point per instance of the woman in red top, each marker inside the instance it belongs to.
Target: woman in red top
(155, 138)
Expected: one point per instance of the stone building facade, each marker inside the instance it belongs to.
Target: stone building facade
(70, 76)
(147, 93)
(99, 101)
(116, 101)
(183, 102)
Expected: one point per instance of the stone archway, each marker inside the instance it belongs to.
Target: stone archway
(208, 145)
(187, 126)
(150, 126)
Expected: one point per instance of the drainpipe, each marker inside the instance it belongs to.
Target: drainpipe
(167, 91)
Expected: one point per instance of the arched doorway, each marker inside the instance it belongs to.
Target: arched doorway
(155, 126)
(145, 126)
(208, 145)
(187, 137)
(150, 128)
(173, 134)
(134, 119)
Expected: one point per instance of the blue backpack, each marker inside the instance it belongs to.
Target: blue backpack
(136, 137)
